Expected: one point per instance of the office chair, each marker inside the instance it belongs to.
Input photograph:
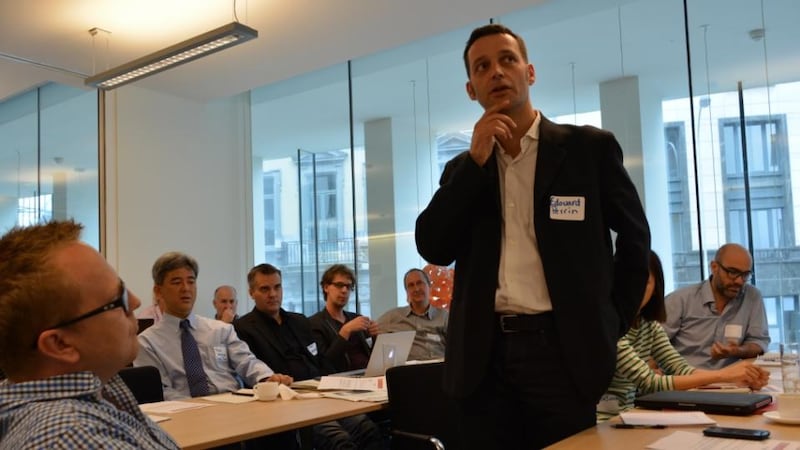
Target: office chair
(420, 413)
(144, 382)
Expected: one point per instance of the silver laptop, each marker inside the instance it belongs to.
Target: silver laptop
(389, 350)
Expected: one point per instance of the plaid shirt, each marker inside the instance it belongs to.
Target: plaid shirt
(75, 411)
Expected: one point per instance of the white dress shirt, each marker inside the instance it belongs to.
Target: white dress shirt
(522, 287)
(224, 355)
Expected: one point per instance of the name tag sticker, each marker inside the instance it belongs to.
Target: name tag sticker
(567, 208)
(733, 332)
(312, 348)
(221, 355)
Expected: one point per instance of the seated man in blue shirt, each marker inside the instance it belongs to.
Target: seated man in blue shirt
(429, 322)
(66, 328)
(722, 320)
(195, 355)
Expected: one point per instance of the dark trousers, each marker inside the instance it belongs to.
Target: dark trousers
(528, 399)
(356, 432)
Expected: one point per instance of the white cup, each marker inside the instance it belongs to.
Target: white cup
(789, 406)
(266, 391)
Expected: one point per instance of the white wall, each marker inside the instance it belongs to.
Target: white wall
(179, 178)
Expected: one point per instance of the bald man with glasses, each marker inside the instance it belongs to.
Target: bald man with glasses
(66, 328)
(721, 320)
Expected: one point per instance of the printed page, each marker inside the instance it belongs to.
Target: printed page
(666, 418)
(353, 384)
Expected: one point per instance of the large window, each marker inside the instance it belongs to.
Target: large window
(48, 159)
(408, 110)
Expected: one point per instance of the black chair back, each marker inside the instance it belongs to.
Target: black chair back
(419, 410)
(144, 382)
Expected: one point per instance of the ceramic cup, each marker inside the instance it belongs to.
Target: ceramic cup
(266, 391)
(789, 406)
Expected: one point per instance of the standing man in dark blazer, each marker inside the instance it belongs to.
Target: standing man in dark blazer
(540, 296)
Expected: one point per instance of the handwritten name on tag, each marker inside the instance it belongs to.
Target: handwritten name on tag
(567, 208)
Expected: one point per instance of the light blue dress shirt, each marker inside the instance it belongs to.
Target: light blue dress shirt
(693, 324)
(224, 355)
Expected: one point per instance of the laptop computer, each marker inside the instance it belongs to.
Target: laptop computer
(729, 403)
(388, 347)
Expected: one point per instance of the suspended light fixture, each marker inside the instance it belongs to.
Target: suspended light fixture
(207, 43)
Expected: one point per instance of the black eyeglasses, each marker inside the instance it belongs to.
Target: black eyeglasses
(734, 274)
(340, 285)
(120, 302)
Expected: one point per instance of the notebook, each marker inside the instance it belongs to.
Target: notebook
(736, 404)
(395, 345)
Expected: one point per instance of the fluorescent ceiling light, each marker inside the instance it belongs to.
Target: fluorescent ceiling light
(213, 41)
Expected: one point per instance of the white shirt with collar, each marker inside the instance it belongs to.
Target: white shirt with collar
(224, 355)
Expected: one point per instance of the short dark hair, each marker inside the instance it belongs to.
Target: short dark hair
(336, 269)
(654, 309)
(170, 261)
(488, 30)
(424, 275)
(263, 269)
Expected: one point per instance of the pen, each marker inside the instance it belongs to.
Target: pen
(627, 426)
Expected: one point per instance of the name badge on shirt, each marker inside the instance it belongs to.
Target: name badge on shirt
(567, 208)
(221, 355)
(312, 348)
(733, 332)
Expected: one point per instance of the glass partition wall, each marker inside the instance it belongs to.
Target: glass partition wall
(49, 159)
(704, 96)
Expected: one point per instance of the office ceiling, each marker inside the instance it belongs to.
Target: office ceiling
(295, 36)
(604, 39)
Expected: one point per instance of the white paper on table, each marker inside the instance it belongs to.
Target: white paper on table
(229, 397)
(170, 406)
(666, 418)
(363, 396)
(353, 384)
(156, 418)
(696, 441)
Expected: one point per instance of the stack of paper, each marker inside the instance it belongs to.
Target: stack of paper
(666, 418)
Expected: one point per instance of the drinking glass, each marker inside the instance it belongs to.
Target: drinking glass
(790, 370)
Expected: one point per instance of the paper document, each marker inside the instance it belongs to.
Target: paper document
(666, 418)
(230, 397)
(361, 396)
(156, 418)
(687, 440)
(170, 407)
(353, 384)
(305, 384)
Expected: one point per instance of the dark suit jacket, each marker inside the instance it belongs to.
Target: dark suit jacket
(253, 329)
(595, 292)
(333, 345)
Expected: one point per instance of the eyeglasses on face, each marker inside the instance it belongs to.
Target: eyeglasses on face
(121, 301)
(340, 285)
(734, 274)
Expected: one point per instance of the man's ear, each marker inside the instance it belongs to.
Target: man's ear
(470, 91)
(54, 345)
(531, 75)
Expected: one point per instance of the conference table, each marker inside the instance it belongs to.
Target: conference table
(605, 436)
(226, 423)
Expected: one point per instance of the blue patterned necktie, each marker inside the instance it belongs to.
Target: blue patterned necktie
(192, 364)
